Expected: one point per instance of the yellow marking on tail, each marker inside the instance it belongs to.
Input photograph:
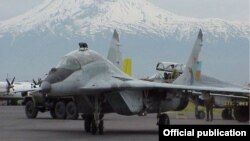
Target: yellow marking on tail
(198, 75)
(127, 66)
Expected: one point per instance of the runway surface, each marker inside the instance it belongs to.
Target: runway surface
(14, 126)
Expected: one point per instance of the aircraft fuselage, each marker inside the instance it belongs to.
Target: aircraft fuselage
(80, 69)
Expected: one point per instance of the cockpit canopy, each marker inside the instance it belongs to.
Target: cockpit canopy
(169, 67)
(69, 63)
(77, 59)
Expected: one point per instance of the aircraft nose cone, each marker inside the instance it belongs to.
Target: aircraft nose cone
(45, 86)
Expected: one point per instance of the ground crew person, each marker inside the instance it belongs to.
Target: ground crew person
(209, 104)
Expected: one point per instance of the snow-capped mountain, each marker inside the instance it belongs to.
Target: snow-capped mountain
(32, 43)
(70, 18)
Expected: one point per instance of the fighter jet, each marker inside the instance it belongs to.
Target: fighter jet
(85, 82)
(166, 74)
(169, 72)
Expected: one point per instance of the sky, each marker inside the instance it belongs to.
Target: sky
(234, 10)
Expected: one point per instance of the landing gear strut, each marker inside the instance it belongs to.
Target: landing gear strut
(94, 122)
(198, 113)
(97, 125)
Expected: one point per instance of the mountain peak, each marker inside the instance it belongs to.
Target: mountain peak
(88, 17)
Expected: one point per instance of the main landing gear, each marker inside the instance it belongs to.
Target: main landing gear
(92, 125)
(227, 114)
(199, 114)
(163, 119)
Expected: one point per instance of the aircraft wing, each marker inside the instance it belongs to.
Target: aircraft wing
(9, 97)
(223, 95)
(21, 90)
(153, 85)
(213, 82)
(116, 84)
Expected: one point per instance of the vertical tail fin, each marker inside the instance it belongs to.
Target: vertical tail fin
(114, 54)
(127, 66)
(192, 70)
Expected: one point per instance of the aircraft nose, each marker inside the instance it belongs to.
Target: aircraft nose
(45, 86)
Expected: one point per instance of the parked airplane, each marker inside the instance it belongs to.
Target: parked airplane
(5, 87)
(169, 72)
(14, 91)
(85, 81)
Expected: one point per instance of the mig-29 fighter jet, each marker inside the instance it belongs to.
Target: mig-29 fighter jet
(169, 72)
(88, 83)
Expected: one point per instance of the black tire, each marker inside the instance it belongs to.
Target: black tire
(241, 113)
(60, 110)
(226, 114)
(52, 110)
(71, 110)
(101, 127)
(163, 119)
(13, 102)
(87, 123)
(31, 110)
(93, 127)
(200, 115)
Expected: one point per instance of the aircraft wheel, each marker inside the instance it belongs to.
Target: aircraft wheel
(31, 110)
(163, 119)
(87, 123)
(241, 113)
(71, 111)
(101, 127)
(60, 110)
(226, 114)
(200, 115)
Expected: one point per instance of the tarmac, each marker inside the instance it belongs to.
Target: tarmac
(14, 126)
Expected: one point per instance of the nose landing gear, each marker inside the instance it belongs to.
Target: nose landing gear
(94, 122)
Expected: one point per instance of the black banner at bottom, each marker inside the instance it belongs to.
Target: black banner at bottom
(198, 132)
